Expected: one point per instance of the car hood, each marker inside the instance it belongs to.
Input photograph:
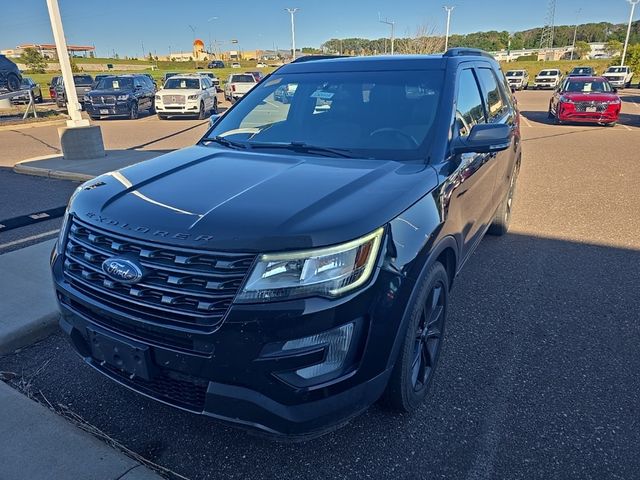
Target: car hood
(179, 91)
(97, 93)
(590, 97)
(222, 199)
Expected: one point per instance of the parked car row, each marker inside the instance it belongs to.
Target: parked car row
(618, 76)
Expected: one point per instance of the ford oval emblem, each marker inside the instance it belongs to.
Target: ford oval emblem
(122, 270)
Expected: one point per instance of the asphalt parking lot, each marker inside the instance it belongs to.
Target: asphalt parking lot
(538, 377)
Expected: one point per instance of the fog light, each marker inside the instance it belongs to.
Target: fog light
(336, 341)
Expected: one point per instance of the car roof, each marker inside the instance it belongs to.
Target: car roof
(378, 63)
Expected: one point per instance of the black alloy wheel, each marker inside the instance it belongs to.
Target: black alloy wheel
(134, 113)
(428, 338)
(425, 317)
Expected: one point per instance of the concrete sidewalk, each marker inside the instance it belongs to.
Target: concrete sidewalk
(55, 166)
(29, 309)
(37, 444)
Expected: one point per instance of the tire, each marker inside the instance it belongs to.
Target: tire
(13, 82)
(134, 113)
(502, 219)
(550, 115)
(152, 108)
(214, 110)
(612, 124)
(526, 87)
(38, 99)
(420, 350)
(202, 114)
(162, 117)
(93, 117)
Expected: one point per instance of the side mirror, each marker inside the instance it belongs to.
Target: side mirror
(215, 118)
(484, 138)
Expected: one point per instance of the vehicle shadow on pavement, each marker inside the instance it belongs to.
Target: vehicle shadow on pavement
(540, 362)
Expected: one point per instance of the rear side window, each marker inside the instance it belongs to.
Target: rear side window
(469, 109)
(494, 98)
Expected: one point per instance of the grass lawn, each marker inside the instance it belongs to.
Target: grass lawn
(43, 79)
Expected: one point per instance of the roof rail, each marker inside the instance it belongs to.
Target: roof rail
(459, 52)
(311, 58)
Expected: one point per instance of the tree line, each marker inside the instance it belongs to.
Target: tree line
(490, 40)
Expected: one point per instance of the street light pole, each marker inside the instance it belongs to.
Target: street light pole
(575, 33)
(446, 38)
(392, 24)
(73, 106)
(292, 11)
(626, 41)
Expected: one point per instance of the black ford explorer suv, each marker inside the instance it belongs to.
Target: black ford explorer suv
(295, 265)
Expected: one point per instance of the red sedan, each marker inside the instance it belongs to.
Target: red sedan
(585, 99)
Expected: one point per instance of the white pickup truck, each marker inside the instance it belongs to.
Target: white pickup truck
(619, 76)
(237, 85)
(548, 78)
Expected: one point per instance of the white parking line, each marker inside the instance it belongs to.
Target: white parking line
(28, 239)
(526, 121)
(623, 125)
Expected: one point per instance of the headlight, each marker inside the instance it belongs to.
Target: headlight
(564, 99)
(123, 97)
(325, 272)
(193, 97)
(615, 102)
(62, 236)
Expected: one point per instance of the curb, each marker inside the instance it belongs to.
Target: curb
(45, 172)
(22, 326)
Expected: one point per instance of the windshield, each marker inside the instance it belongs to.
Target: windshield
(381, 115)
(115, 83)
(548, 73)
(588, 87)
(182, 84)
(582, 71)
(247, 78)
(515, 74)
(617, 70)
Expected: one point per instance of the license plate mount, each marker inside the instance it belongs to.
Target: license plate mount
(130, 357)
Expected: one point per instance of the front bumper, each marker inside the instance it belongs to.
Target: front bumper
(191, 108)
(231, 373)
(617, 83)
(568, 113)
(117, 110)
(542, 85)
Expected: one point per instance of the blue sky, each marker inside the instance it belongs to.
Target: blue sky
(123, 25)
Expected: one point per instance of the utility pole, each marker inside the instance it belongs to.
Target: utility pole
(73, 106)
(292, 12)
(448, 9)
(392, 24)
(626, 41)
(575, 33)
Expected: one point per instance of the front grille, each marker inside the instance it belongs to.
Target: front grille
(544, 80)
(180, 287)
(600, 106)
(104, 100)
(171, 387)
(173, 99)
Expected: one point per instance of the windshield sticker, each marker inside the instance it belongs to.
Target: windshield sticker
(587, 87)
(183, 84)
(322, 95)
(274, 81)
(116, 85)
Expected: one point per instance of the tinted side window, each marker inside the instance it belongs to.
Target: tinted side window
(469, 109)
(496, 105)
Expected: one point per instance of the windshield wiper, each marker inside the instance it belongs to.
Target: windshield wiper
(304, 148)
(225, 142)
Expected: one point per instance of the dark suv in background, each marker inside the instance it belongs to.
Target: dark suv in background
(10, 77)
(295, 265)
(121, 95)
(83, 84)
